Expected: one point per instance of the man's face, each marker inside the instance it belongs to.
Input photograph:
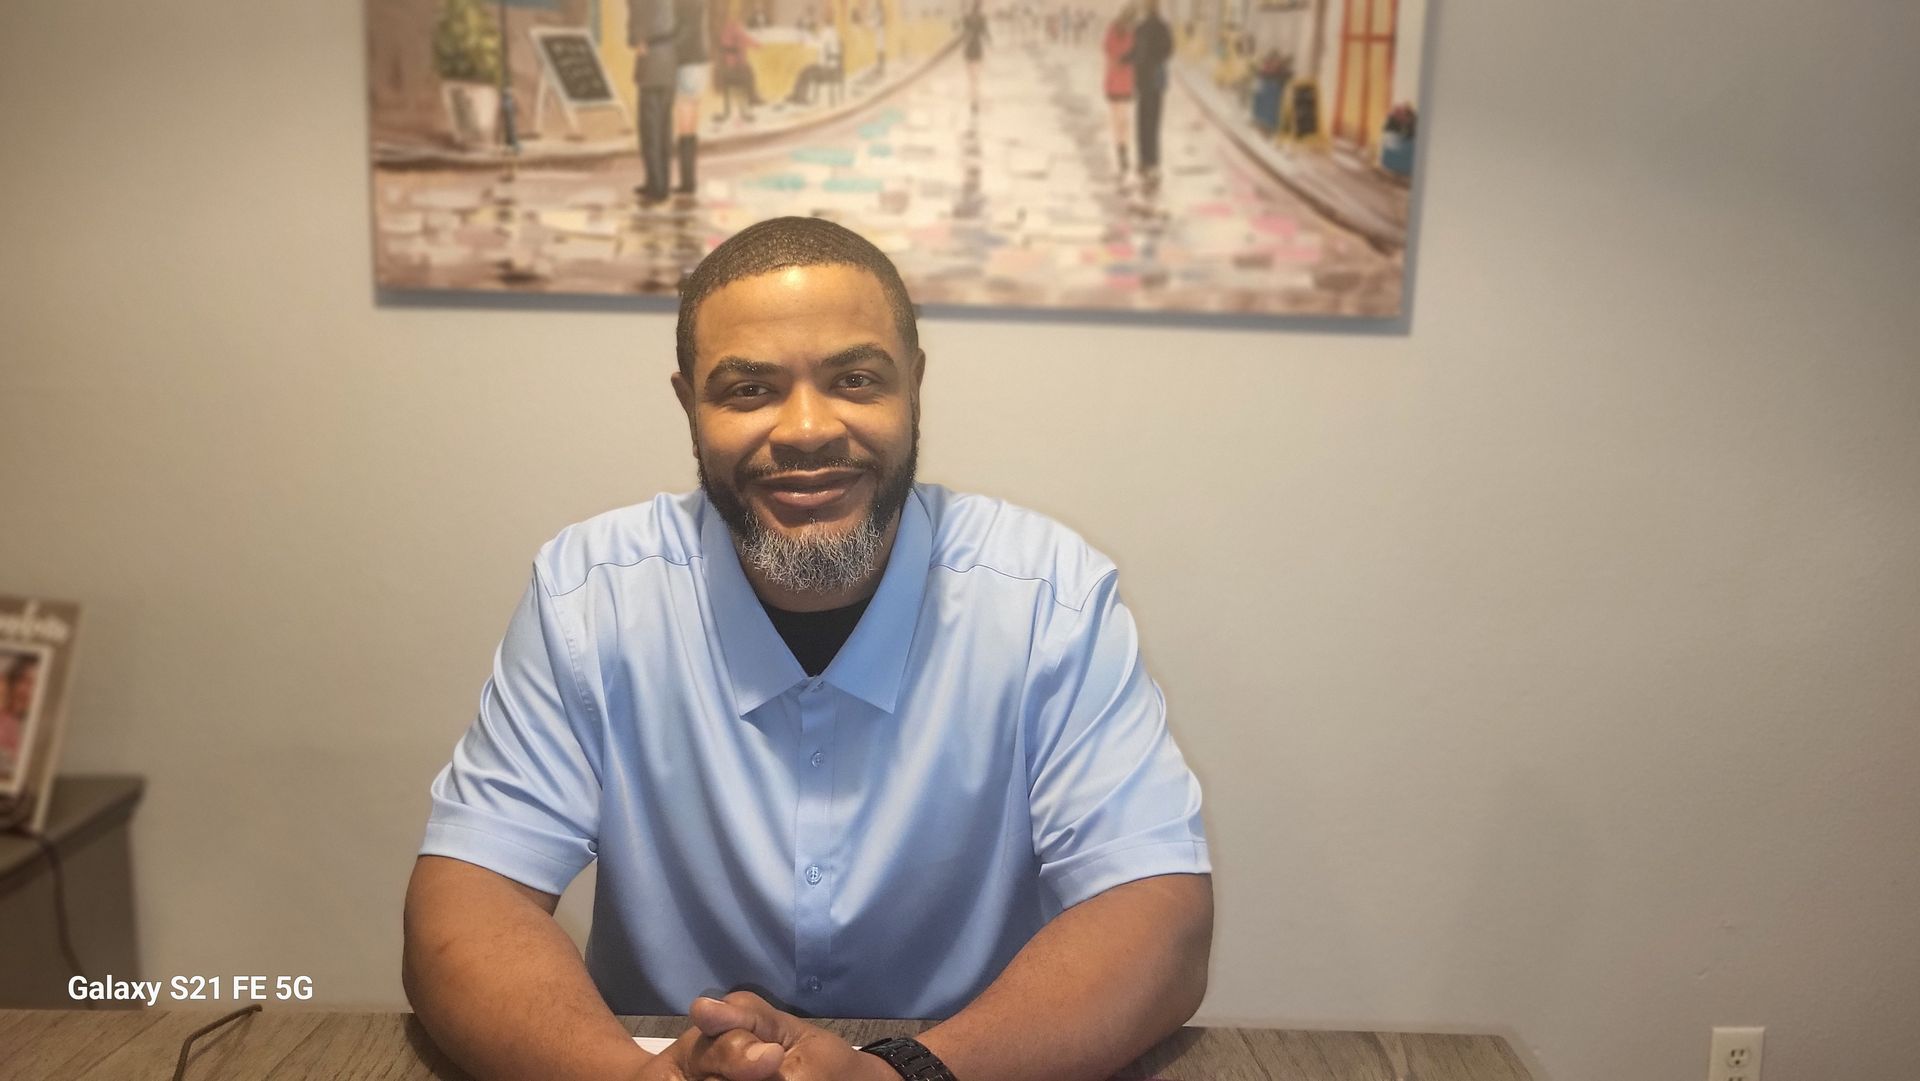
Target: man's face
(804, 407)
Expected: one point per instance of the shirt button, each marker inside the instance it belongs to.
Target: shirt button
(814, 875)
(813, 983)
(818, 757)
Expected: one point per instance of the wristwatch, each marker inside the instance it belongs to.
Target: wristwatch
(910, 1058)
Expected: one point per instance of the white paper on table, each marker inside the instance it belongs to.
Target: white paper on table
(653, 1045)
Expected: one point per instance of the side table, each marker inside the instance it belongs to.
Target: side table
(87, 824)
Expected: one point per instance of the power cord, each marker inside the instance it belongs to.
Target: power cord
(186, 1045)
(52, 853)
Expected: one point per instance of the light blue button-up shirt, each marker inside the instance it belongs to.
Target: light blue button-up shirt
(985, 751)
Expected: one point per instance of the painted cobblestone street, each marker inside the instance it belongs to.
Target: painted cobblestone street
(1016, 202)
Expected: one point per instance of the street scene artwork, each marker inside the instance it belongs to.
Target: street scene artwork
(1188, 156)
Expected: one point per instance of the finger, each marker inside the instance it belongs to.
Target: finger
(736, 1055)
(740, 1010)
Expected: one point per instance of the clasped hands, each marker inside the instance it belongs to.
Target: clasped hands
(743, 1038)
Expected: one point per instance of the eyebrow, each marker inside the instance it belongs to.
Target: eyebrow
(864, 353)
(740, 366)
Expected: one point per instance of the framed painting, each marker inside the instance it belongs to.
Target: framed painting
(1183, 156)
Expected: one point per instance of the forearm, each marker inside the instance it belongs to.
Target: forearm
(1095, 989)
(500, 986)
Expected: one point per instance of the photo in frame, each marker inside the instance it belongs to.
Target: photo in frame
(36, 666)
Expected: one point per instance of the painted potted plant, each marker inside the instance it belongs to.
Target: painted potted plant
(466, 53)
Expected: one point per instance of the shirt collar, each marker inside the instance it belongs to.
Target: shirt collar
(872, 663)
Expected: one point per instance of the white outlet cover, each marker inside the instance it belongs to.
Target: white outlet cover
(1736, 1054)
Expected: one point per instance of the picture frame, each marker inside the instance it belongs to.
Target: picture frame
(37, 642)
(997, 152)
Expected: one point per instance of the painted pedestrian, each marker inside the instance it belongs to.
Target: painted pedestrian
(1119, 82)
(735, 72)
(1152, 48)
(651, 34)
(973, 31)
(692, 77)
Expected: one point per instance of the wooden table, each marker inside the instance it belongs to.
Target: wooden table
(284, 1044)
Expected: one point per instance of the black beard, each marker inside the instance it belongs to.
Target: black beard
(814, 564)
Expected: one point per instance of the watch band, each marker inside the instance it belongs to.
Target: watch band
(910, 1059)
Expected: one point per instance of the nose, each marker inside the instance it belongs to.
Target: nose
(807, 420)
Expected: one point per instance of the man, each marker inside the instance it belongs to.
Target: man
(1152, 48)
(826, 69)
(865, 747)
(691, 30)
(650, 33)
(735, 72)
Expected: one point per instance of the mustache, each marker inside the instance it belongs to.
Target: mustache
(803, 464)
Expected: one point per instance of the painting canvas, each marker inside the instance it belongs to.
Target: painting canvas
(1185, 156)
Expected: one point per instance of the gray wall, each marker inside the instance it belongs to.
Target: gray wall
(1551, 670)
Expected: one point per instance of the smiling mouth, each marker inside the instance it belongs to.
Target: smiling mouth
(808, 482)
(806, 491)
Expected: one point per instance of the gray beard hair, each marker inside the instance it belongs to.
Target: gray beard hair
(813, 562)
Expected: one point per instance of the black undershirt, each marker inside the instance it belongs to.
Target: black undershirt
(814, 637)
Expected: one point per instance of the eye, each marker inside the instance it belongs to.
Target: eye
(858, 381)
(747, 390)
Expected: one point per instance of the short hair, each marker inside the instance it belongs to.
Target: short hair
(780, 243)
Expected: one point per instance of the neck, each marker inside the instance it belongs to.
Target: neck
(788, 600)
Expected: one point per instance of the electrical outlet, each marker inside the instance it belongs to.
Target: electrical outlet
(1736, 1054)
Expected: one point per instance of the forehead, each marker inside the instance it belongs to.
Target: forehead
(794, 313)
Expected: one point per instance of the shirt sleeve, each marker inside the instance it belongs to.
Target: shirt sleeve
(1112, 800)
(522, 794)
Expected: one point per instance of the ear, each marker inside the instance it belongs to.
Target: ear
(683, 390)
(918, 369)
